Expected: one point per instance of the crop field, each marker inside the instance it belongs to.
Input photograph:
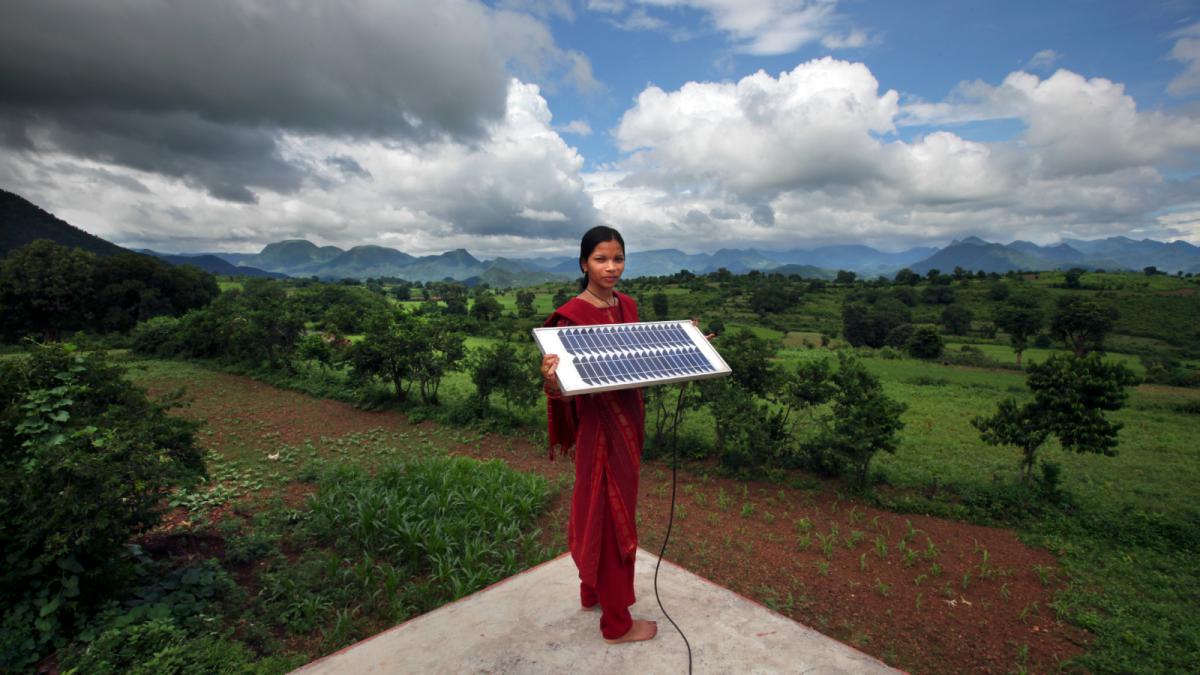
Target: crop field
(1046, 577)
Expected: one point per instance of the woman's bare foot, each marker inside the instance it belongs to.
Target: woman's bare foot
(641, 630)
(588, 608)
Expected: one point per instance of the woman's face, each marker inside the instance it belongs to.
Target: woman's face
(605, 265)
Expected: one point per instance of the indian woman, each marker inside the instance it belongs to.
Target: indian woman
(604, 432)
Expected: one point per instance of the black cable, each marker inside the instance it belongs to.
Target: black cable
(670, 522)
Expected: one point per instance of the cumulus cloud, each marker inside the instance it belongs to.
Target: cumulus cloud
(759, 27)
(813, 156)
(1074, 125)
(814, 125)
(205, 92)
(515, 191)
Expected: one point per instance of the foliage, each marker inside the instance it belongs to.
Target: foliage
(956, 319)
(659, 303)
(48, 289)
(465, 523)
(86, 462)
(337, 308)
(44, 287)
(525, 300)
(925, 343)
(1071, 395)
(864, 422)
(771, 297)
(407, 350)
(505, 369)
(486, 307)
(1082, 323)
(870, 324)
(1021, 318)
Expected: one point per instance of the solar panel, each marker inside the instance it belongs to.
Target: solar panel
(627, 355)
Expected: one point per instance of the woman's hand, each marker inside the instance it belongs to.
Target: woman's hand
(549, 372)
(710, 336)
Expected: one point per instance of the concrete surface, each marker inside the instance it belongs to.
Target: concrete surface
(532, 623)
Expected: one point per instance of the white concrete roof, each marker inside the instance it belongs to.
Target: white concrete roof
(532, 623)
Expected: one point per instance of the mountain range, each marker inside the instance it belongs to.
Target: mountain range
(22, 222)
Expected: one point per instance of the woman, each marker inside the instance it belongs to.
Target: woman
(606, 431)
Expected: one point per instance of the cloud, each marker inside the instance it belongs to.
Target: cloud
(1187, 51)
(759, 27)
(577, 127)
(212, 88)
(1043, 60)
(814, 125)
(1074, 125)
(813, 156)
(854, 39)
(516, 190)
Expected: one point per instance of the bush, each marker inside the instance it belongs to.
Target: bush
(85, 461)
(925, 343)
(157, 337)
(158, 647)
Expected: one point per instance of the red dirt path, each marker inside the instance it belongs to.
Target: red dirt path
(979, 601)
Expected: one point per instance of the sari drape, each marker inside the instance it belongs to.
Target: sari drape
(605, 430)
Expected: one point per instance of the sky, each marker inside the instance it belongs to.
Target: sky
(509, 128)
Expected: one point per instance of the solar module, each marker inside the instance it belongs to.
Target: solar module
(627, 355)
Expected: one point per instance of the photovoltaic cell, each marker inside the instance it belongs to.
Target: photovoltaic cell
(619, 356)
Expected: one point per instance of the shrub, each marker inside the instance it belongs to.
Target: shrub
(85, 461)
(157, 337)
(864, 421)
(925, 343)
(158, 646)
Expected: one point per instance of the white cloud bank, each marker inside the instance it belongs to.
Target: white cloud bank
(819, 148)
(510, 193)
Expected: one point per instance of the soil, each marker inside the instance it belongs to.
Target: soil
(954, 598)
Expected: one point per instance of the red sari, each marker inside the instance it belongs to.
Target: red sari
(606, 430)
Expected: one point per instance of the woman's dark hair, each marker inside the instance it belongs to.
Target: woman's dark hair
(593, 238)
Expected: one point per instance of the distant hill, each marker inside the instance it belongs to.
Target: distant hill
(213, 265)
(291, 256)
(976, 254)
(806, 271)
(507, 273)
(22, 221)
(1167, 257)
(359, 262)
(864, 260)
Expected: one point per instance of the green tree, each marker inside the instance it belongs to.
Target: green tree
(771, 298)
(561, 296)
(845, 277)
(907, 277)
(956, 319)
(1070, 396)
(86, 461)
(505, 369)
(925, 343)
(864, 420)
(525, 300)
(1021, 318)
(870, 324)
(1082, 323)
(1071, 280)
(46, 288)
(937, 294)
(660, 304)
(486, 307)
(455, 297)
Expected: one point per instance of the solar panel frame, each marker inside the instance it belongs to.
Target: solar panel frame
(606, 357)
